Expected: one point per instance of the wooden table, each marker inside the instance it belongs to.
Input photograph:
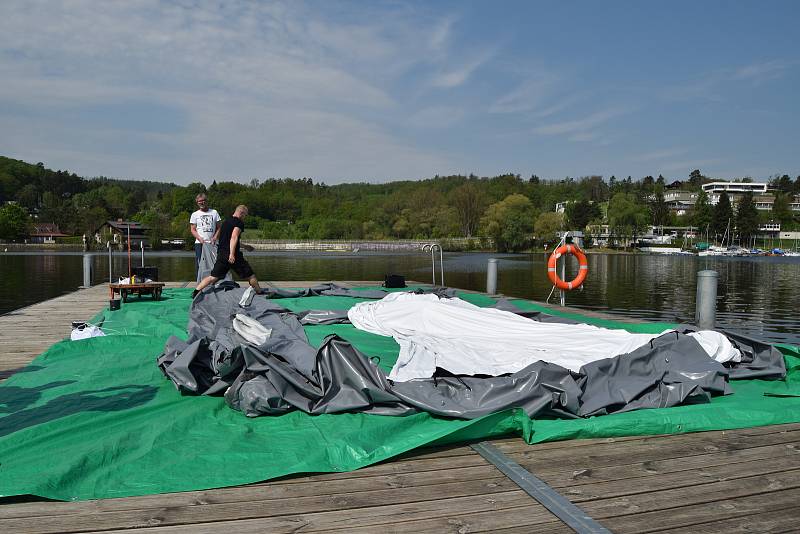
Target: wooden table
(143, 288)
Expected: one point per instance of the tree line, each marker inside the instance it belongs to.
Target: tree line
(511, 209)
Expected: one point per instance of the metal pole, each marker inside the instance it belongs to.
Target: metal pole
(433, 267)
(129, 251)
(87, 271)
(491, 277)
(142, 244)
(563, 277)
(441, 264)
(110, 263)
(706, 306)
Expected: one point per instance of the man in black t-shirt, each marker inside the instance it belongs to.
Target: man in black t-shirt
(229, 255)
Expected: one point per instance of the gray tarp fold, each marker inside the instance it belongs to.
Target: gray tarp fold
(286, 373)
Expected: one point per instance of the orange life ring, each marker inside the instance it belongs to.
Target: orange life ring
(582, 272)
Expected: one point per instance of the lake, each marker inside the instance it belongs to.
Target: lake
(759, 296)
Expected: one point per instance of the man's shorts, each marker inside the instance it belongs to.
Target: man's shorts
(240, 267)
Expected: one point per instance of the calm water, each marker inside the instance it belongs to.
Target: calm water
(760, 296)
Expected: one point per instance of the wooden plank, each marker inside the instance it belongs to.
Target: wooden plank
(694, 517)
(777, 519)
(168, 514)
(514, 446)
(620, 501)
(707, 464)
(258, 492)
(669, 481)
(389, 518)
(682, 445)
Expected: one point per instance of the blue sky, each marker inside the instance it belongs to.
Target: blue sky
(381, 91)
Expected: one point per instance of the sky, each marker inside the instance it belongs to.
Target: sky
(377, 91)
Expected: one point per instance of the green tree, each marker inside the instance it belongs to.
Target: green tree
(13, 222)
(702, 212)
(547, 227)
(746, 218)
(721, 215)
(659, 209)
(159, 225)
(509, 222)
(468, 204)
(782, 210)
(626, 217)
(782, 184)
(579, 214)
(696, 179)
(28, 196)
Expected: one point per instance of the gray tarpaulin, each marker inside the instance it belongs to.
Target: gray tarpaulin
(207, 258)
(286, 373)
(329, 289)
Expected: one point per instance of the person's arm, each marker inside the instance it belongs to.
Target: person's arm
(215, 237)
(234, 240)
(193, 228)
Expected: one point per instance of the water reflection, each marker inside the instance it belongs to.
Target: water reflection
(756, 295)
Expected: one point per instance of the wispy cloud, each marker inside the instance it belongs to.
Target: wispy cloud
(583, 137)
(688, 165)
(581, 125)
(664, 153)
(713, 85)
(263, 89)
(528, 96)
(436, 117)
(762, 71)
(460, 73)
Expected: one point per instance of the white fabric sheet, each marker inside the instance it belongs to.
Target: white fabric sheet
(85, 332)
(466, 339)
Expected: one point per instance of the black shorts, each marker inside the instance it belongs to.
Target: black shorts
(240, 267)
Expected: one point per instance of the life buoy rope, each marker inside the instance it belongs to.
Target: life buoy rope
(583, 270)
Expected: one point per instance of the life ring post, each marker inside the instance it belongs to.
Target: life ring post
(583, 267)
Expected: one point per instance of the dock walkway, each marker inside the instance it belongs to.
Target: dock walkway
(734, 481)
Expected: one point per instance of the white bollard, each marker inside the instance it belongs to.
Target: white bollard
(87, 271)
(491, 277)
(705, 315)
(110, 263)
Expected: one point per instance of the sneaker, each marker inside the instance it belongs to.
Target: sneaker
(195, 293)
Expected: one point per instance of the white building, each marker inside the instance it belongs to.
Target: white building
(680, 202)
(734, 190)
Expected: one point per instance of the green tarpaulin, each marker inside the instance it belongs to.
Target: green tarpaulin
(96, 419)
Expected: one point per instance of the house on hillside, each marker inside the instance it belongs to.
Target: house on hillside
(45, 233)
(118, 231)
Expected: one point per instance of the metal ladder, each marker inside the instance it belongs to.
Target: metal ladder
(431, 247)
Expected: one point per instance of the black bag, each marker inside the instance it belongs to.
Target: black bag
(394, 280)
(145, 272)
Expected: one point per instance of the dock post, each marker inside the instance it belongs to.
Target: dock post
(87, 271)
(110, 263)
(491, 277)
(142, 245)
(706, 307)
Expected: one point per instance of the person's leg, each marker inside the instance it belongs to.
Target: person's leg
(254, 283)
(220, 269)
(244, 270)
(198, 252)
(205, 282)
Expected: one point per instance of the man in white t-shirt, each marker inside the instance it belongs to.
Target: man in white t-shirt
(204, 224)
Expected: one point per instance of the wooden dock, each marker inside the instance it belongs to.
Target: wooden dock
(734, 481)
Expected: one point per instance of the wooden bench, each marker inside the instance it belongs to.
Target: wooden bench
(143, 288)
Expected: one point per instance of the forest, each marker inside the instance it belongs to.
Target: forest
(513, 210)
